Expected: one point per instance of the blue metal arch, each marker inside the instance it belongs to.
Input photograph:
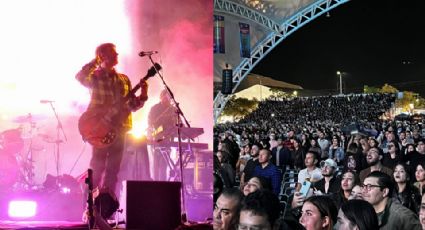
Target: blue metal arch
(289, 26)
(234, 8)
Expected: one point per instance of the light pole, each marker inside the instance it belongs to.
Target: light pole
(340, 81)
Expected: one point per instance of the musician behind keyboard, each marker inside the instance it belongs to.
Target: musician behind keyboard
(162, 116)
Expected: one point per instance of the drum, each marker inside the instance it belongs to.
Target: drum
(9, 171)
(12, 142)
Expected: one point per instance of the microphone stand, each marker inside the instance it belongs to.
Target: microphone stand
(179, 114)
(57, 142)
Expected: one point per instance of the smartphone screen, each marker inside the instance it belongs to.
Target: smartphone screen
(305, 187)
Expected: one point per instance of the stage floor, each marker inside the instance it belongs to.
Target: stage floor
(43, 225)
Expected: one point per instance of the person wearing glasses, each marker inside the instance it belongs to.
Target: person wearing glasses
(377, 190)
(373, 159)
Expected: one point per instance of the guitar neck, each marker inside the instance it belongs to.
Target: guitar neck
(132, 93)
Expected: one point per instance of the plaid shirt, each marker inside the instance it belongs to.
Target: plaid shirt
(107, 90)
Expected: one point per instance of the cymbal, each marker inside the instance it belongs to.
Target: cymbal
(49, 139)
(29, 118)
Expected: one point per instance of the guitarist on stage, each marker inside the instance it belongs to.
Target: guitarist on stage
(108, 88)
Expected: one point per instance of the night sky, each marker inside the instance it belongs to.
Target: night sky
(373, 42)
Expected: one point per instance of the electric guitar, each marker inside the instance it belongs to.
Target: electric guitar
(100, 127)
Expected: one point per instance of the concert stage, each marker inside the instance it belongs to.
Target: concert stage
(45, 225)
(145, 203)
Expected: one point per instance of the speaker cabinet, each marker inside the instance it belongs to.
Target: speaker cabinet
(227, 84)
(152, 205)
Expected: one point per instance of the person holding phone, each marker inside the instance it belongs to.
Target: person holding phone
(311, 171)
(329, 184)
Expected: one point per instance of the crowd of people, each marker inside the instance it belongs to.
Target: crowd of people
(337, 162)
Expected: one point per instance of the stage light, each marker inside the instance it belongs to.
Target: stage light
(65, 190)
(22, 209)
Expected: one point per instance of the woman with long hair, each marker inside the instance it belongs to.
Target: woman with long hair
(404, 192)
(420, 177)
(305, 141)
(299, 155)
(318, 213)
(349, 179)
(335, 151)
(256, 183)
(357, 214)
(393, 156)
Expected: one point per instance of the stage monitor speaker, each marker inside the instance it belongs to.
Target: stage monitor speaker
(227, 82)
(152, 205)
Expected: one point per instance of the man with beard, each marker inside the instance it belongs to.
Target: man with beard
(373, 159)
(329, 184)
(226, 209)
(250, 165)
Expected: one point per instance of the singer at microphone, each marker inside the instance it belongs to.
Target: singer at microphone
(147, 53)
(46, 101)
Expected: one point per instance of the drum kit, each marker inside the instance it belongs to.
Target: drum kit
(17, 147)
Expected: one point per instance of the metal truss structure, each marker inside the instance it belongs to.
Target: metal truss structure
(289, 26)
(229, 7)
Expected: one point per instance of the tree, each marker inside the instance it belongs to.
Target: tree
(370, 89)
(388, 89)
(407, 101)
(239, 107)
(279, 93)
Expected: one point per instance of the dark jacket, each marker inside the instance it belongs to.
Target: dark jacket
(409, 198)
(334, 186)
(397, 217)
(284, 157)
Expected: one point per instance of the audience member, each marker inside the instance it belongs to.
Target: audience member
(377, 190)
(357, 215)
(311, 172)
(250, 165)
(329, 184)
(356, 193)
(268, 170)
(280, 155)
(374, 156)
(260, 210)
(420, 177)
(349, 179)
(318, 213)
(227, 170)
(336, 152)
(404, 192)
(256, 183)
(393, 156)
(226, 209)
(422, 212)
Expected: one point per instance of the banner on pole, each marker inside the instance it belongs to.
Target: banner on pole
(245, 40)
(219, 34)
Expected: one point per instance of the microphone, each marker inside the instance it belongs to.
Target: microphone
(147, 53)
(46, 101)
